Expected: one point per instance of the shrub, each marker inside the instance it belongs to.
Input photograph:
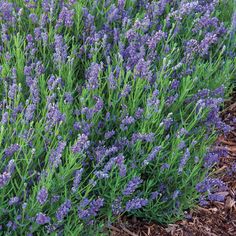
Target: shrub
(108, 108)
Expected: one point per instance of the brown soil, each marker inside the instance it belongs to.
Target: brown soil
(218, 218)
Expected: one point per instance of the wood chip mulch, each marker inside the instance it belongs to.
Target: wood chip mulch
(218, 218)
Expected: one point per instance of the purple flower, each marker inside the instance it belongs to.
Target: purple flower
(213, 157)
(112, 81)
(143, 137)
(128, 120)
(55, 198)
(92, 209)
(29, 112)
(42, 195)
(113, 14)
(182, 145)
(132, 185)
(5, 117)
(95, 206)
(126, 91)
(12, 91)
(117, 206)
(216, 197)
(167, 122)
(142, 69)
(63, 210)
(155, 195)
(42, 219)
(115, 161)
(11, 225)
(153, 41)
(16, 110)
(92, 76)
(56, 154)
(81, 144)
(152, 155)
(34, 91)
(176, 194)
(205, 21)
(68, 98)
(99, 104)
(37, 34)
(10, 166)
(11, 150)
(7, 10)
(53, 82)
(207, 42)
(44, 36)
(83, 127)
(33, 17)
(139, 113)
(136, 203)
(4, 178)
(65, 17)
(109, 134)
(210, 185)
(165, 166)
(13, 201)
(60, 54)
(175, 84)
(54, 116)
(154, 101)
(184, 160)
(77, 179)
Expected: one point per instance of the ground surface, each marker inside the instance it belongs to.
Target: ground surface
(218, 218)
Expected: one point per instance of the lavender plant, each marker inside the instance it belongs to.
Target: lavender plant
(109, 108)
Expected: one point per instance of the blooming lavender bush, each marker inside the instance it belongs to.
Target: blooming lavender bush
(109, 108)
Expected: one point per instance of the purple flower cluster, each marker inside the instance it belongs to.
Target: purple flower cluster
(211, 185)
(81, 144)
(77, 179)
(152, 155)
(11, 150)
(7, 174)
(143, 137)
(4, 178)
(92, 76)
(126, 121)
(14, 200)
(42, 219)
(115, 161)
(88, 209)
(42, 195)
(65, 17)
(135, 204)
(184, 160)
(63, 210)
(54, 116)
(60, 54)
(132, 186)
(213, 157)
(56, 154)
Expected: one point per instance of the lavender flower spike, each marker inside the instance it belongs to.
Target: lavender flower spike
(55, 157)
(81, 144)
(63, 210)
(132, 186)
(77, 179)
(42, 195)
(42, 219)
(136, 203)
